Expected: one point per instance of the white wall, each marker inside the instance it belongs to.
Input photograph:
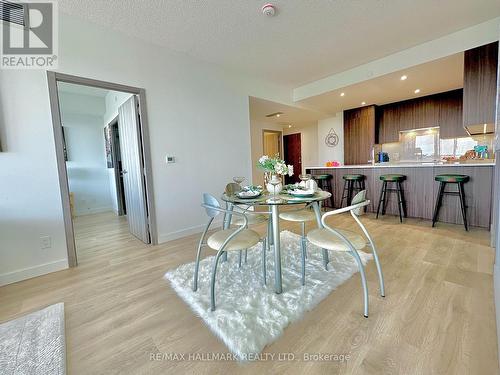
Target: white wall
(326, 153)
(308, 142)
(197, 112)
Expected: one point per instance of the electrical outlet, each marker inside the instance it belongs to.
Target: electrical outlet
(45, 242)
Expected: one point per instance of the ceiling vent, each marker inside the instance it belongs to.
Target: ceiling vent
(12, 12)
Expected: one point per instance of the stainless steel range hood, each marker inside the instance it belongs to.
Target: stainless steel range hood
(479, 129)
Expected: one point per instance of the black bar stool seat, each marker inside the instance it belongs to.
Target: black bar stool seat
(325, 183)
(352, 183)
(393, 179)
(444, 179)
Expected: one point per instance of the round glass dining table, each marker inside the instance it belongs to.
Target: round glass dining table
(275, 202)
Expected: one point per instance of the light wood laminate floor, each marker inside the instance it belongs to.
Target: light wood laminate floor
(437, 318)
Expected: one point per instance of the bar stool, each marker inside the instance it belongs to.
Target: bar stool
(444, 179)
(350, 182)
(395, 179)
(325, 183)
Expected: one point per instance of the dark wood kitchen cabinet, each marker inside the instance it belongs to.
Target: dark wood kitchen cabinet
(443, 110)
(389, 122)
(450, 115)
(480, 77)
(359, 135)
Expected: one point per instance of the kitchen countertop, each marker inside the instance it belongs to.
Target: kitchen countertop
(407, 165)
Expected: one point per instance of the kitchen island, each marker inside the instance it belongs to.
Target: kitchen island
(421, 189)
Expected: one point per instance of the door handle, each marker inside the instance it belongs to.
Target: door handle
(124, 172)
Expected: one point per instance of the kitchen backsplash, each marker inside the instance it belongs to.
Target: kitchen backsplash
(425, 145)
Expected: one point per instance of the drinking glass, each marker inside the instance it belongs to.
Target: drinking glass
(238, 180)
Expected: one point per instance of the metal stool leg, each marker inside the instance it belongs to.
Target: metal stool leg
(439, 201)
(381, 198)
(405, 211)
(462, 204)
(344, 196)
(350, 187)
(400, 203)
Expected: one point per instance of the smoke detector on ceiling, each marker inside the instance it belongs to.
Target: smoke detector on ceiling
(269, 10)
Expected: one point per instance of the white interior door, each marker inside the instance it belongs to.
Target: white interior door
(133, 169)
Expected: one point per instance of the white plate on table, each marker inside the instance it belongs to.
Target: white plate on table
(301, 193)
(248, 194)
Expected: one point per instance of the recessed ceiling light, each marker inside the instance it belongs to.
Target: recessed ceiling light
(417, 91)
(363, 103)
(290, 125)
(278, 115)
(404, 77)
(342, 94)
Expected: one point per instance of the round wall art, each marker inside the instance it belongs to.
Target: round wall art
(332, 139)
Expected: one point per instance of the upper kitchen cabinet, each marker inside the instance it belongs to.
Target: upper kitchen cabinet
(359, 135)
(480, 77)
(450, 115)
(389, 123)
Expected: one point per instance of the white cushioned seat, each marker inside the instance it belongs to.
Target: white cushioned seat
(252, 219)
(243, 240)
(327, 240)
(298, 215)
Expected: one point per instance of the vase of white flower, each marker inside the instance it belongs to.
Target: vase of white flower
(274, 169)
(274, 185)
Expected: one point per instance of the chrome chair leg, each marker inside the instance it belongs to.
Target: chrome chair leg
(264, 249)
(239, 259)
(246, 256)
(375, 255)
(198, 254)
(303, 242)
(212, 282)
(363, 280)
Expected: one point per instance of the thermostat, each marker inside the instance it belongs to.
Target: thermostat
(170, 159)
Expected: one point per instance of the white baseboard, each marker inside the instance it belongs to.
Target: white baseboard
(30, 272)
(165, 237)
(496, 294)
(95, 210)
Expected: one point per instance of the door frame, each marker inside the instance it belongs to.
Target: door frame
(280, 138)
(52, 79)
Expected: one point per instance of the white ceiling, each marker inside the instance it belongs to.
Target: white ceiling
(295, 116)
(306, 41)
(431, 78)
(81, 90)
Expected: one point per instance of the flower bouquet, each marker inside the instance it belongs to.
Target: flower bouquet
(273, 169)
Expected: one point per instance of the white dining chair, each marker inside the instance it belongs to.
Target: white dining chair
(301, 216)
(224, 241)
(253, 217)
(344, 240)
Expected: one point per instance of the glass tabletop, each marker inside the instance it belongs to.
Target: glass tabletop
(267, 199)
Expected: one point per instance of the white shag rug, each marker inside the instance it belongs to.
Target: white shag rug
(34, 344)
(249, 315)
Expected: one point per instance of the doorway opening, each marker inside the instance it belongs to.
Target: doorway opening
(272, 144)
(292, 150)
(103, 158)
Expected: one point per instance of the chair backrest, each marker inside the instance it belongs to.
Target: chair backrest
(232, 188)
(211, 201)
(358, 198)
